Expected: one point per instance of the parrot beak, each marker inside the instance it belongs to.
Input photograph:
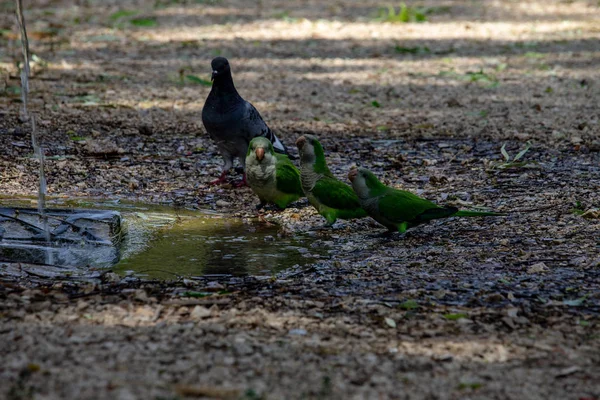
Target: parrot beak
(212, 77)
(300, 142)
(352, 174)
(260, 153)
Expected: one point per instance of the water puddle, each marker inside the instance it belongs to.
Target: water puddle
(155, 243)
(209, 245)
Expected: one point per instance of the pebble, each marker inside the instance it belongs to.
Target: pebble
(297, 332)
(200, 312)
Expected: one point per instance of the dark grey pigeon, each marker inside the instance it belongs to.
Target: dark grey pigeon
(231, 121)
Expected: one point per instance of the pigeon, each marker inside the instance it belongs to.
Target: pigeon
(332, 199)
(271, 176)
(399, 210)
(231, 121)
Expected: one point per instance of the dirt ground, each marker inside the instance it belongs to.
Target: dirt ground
(479, 308)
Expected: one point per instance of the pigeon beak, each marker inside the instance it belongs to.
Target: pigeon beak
(212, 77)
(352, 174)
(260, 153)
(300, 142)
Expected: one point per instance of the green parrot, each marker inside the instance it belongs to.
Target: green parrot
(271, 176)
(332, 198)
(396, 209)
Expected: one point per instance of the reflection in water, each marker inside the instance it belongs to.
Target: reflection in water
(160, 242)
(213, 245)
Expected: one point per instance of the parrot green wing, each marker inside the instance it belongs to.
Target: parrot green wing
(288, 176)
(335, 200)
(335, 194)
(400, 206)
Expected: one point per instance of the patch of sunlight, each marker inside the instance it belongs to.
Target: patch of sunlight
(213, 11)
(64, 65)
(335, 30)
(468, 350)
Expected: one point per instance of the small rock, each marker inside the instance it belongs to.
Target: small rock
(82, 305)
(297, 332)
(453, 102)
(442, 357)
(145, 129)
(141, 295)
(576, 140)
(594, 146)
(133, 184)
(214, 286)
(200, 312)
(495, 298)
(111, 277)
(216, 328)
(39, 306)
(537, 268)
(567, 371)
(512, 312)
(558, 135)
(214, 310)
(223, 203)
(509, 322)
(102, 147)
(242, 349)
(183, 310)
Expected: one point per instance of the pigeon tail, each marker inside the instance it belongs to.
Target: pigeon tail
(277, 145)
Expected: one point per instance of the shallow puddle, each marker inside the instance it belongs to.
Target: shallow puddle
(209, 245)
(167, 243)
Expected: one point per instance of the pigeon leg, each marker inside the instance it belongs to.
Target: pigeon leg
(227, 164)
(222, 179)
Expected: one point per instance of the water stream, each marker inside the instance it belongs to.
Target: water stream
(28, 116)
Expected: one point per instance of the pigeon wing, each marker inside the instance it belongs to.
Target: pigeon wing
(255, 126)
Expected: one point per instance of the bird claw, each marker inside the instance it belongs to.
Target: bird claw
(221, 180)
(262, 219)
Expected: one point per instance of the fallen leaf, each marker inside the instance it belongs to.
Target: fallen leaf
(206, 391)
(455, 316)
(575, 302)
(591, 214)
